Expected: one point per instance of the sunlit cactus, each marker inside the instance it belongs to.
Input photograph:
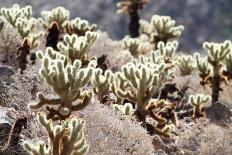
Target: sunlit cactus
(22, 20)
(132, 7)
(67, 138)
(78, 26)
(161, 28)
(211, 71)
(67, 81)
(126, 109)
(197, 101)
(75, 47)
(137, 83)
(133, 46)
(185, 65)
(102, 83)
(58, 15)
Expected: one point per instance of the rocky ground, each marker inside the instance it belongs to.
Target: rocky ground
(108, 132)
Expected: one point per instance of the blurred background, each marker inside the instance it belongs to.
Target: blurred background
(204, 20)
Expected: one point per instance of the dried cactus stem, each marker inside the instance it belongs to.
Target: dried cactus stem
(198, 112)
(22, 53)
(14, 136)
(53, 36)
(215, 87)
(134, 21)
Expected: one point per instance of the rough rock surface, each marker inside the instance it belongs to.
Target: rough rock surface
(219, 112)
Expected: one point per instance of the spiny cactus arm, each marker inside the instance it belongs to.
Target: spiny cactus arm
(75, 143)
(227, 70)
(25, 26)
(166, 131)
(126, 109)
(217, 52)
(40, 149)
(203, 66)
(102, 83)
(132, 45)
(185, 65)
(86, 97)
(75, 47)
(78, 26)
(197, 101)
(167, 50)
(164, 25)
(12, 14)
(58, 15)
(43, 101)
(145, 27)
(33, 39)
(67, 138)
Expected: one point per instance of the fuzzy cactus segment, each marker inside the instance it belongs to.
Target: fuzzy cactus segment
(102, 83)
(197, 101)
(126, 109)
(185, 65)
(78, 26)
(58, 15)
(75, 47)
(211, 71)
(161, 28)
(65, 139)
(137, 83)
(67, 81)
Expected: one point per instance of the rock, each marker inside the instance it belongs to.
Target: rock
(6, 121)
(6, 72)
(219, 112)
(158, 142)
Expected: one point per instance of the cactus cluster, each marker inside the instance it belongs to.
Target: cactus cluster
(67, 81)
(161, 28)
(186, 65)
(74, 47)
(139, 89)
(58, 15)
(211, 67)
(67, 138)
(78, 26)
(22, 20)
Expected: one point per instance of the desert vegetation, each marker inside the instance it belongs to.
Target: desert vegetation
(66, 88)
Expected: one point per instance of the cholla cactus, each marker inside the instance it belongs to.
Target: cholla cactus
(33, 39)
(21, 19)
(78, 26)
(161, 28)
(204, 68)
(67, 81)
(132, 45)
(65, 139)
(102, 83)
(217, 53)
(227, 70)
(167, 50)
(131, 7)
(197, 101)
(126, 109)
(185, 64)
(75, 47)
(58, 15)
(137, 83)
